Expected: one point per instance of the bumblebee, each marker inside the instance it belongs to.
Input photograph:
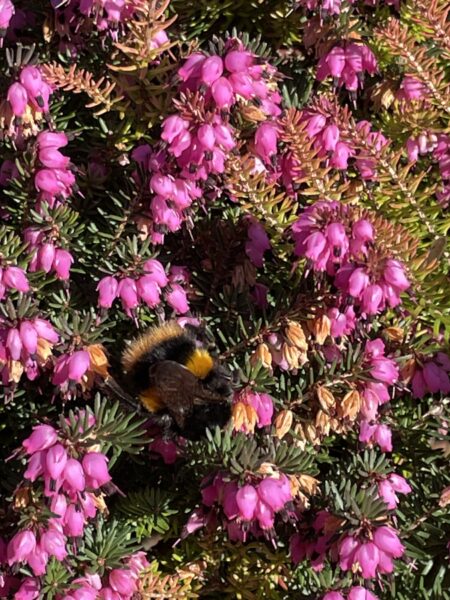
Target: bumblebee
(172, 376)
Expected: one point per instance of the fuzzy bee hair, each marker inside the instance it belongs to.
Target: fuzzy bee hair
(170, 373)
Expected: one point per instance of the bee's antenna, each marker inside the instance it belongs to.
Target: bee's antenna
(111, 384)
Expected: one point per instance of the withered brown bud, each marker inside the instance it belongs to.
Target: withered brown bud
(350, 405)
(321, 328)
(326, 399)
(262, 354)
(283, 423)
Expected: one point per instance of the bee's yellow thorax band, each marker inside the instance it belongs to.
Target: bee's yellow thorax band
(200, 363)
(150, 400)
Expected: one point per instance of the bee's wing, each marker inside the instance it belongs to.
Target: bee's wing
(176, 386)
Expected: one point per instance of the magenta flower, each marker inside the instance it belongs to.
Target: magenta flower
(265, 515)
(29, 588)
(35, 466)
(247, 499)
(121, 581)
(45, 330)
(177, 298)
(74, 476)
(95, 469)
(15, 278)
(229, 503)
(167, 449)
(37, 560)
(368, 557)
(108, 290)
(266, 138)
(62, 263)
(387, 540)
(360, 593)
(43, 437)
(274, 492)
(54, 543)
(222, 93)
(79, 363)
(55, 461)
(73, 521)
(347, 550)
(149, 291)
(21, 546)
(211, 70)
(18, 99)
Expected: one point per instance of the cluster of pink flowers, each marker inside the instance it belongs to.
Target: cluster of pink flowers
(439, 146)
(327, 140)
(27, 101)
(355, 593)
(69, 484)
(194, 148)
(375, 141)
(347, 65)
(432, 377)
(6, 13)
(24, 347)
(371, 556)
(249, 508)
(390, 486)
(385, 372)
(53, 180)
(121, 583)
(46, 256)
(343, 245)
(71, 368)
(146, 288)
(106, 14)
(260, 413)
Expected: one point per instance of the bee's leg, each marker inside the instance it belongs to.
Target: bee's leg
(166, 424)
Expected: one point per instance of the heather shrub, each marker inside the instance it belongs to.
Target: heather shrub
(275, 174)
